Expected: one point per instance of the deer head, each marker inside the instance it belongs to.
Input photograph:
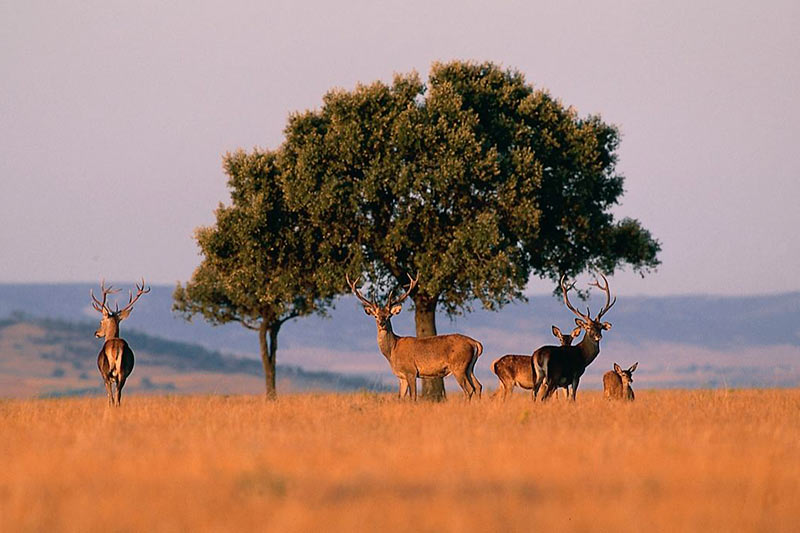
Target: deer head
(594, 327)
(625, 375)
(109, 324)
(384, 313)
(566, 340)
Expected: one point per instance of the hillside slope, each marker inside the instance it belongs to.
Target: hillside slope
(682, 341)
(41, 357)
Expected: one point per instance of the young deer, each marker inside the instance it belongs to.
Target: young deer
(515, 369)
(559, 366)
(426, 357)
(617, 383)
(115, 359)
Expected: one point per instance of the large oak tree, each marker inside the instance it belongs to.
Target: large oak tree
(475, 179)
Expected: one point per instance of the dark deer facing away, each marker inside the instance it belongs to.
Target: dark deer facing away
(115, 359)
(514, 369)
(617, 383)
(426, 357)
(559, 366)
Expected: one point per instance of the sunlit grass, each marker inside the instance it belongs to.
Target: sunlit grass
(672, 460)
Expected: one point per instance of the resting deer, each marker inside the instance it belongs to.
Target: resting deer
(514, 369)
(617, 383)
(425, 357)
(115, 359)
(559, 366)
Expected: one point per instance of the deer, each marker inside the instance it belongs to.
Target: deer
(560, 366)
(425, 357)
(115, 359)
(512, 369)
(617, 383)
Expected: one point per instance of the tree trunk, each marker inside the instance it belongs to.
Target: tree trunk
(425, 321)
(269, 349)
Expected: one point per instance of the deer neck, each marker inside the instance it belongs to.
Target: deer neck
(589, 349)
(386, 341)
(111, 330)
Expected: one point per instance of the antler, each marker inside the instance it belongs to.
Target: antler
(97, 304)
(131, 299)
(358, 294)
(565, 289)
(412, 283)
(605, 289)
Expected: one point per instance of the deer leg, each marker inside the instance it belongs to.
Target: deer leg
(120, 384)
(539, 378)
(574, 387)
(500, 392)
(473, 380)
(109, 391)
(474, 383)
(547, 390)
(566, 392)
(505, 389)
(542, 382)
(411, 382)
(463, 381)
(403, 388)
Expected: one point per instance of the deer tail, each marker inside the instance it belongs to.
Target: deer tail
(478, 349)
(494, 364)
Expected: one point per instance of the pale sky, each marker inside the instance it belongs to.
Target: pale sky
(115, 116)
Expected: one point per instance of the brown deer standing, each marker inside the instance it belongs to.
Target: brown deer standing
(515, 369)
(115, 359)
(617, 383)
(559, 366)
(427, 357)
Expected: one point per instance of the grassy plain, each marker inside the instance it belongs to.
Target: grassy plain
(672, 461)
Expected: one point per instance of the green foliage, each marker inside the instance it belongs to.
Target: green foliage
(260, 260)
(475, 180)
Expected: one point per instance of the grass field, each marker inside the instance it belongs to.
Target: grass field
(674, 460)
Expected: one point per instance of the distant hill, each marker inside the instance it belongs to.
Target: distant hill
(50, 357)
(686, 341)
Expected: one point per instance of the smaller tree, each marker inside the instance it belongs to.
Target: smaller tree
(261, 262)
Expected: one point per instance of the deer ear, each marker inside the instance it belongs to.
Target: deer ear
(633, 367)
(396, 309)
(617, 369)
(105, 312)
(557, 332)
(125, 313)
(581, 323)
(606, 325)
(369, 311)
(575, 333)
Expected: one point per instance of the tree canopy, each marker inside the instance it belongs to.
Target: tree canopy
(474, 179)
(262, 265)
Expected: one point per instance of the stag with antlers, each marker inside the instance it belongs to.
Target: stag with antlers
(561, 366)
(426, 357)
(115, 359)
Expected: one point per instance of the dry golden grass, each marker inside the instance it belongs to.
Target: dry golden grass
(673, 460)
